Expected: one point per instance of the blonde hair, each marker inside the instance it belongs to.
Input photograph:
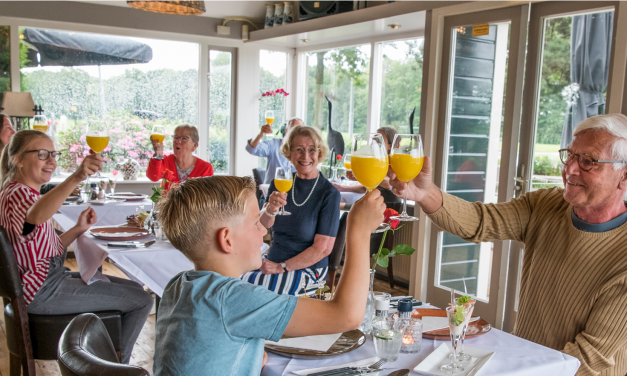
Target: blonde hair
(16, 147)
(191, 208)
(193, 131)
(311, 132)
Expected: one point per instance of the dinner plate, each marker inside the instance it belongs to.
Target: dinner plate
(97, 202)
(439, 357)
(72, 198)
(128, 196)
(475, 328)
(347, 342)
(119, 233)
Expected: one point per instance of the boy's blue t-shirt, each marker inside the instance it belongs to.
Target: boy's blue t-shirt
(210, 324)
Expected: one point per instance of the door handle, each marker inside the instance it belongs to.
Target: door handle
(521, 182)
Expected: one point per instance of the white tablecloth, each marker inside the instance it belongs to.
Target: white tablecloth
(346, 197)
(513, 357)
(112, 213)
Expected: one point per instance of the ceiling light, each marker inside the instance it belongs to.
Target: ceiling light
(394, 26)
(305, 40)
(188, 8)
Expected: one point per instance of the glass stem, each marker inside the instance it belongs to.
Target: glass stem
(405, 204)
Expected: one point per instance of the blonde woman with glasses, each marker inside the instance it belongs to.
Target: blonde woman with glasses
(297, 260)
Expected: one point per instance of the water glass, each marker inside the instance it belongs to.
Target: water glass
(86, 192)
(159, 234)
(387, 343)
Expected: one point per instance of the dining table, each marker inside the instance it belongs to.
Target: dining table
(156, 265)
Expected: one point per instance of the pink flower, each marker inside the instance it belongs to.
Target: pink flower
(115, 172)
(79, 160)
(75, 148)
(108, 148)
(133, 153)
(106, 159)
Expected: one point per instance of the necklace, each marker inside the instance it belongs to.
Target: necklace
(312, 189)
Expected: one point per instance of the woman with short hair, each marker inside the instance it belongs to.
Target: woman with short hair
(297, 260)
(177, 167)
(49, 287)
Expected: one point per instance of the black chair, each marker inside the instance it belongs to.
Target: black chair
(259, 175)
(29, 336)
(85, 349)
(338, 251)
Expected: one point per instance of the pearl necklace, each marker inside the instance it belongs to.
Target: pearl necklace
(312, 189)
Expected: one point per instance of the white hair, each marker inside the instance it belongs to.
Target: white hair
(294, 119)
(614, 124)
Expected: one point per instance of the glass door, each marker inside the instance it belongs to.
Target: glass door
(568, 70)
(481, 82)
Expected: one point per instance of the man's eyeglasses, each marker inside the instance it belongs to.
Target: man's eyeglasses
(301, 151)
(586, 162)
(44, 154)
(182, 139)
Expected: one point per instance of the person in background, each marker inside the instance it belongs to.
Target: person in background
(212, 323)
(49, 287)
(6, 132)
(573, 292)
(181, 165)
(271, 148)
(301, 242)
(388, 134)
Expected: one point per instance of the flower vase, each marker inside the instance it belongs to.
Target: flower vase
(150, 220)
(366, 324)
(334, 174)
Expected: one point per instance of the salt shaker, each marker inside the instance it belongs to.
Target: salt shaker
(410, 328)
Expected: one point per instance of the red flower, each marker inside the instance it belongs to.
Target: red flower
(391, 213)
(339, 157)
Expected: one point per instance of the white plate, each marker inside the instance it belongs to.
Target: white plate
(431, 365)
(96, 202)
(128, 197)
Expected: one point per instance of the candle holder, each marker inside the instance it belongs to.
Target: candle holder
(411, 342)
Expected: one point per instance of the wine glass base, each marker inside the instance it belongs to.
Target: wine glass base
(283, 213)
(452, 368)
(405, 218)
(462, 357)
(382, 228)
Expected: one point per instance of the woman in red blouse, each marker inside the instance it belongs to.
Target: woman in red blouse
(182, 164)
(50, 288)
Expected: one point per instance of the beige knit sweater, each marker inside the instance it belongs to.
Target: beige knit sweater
(573, 295)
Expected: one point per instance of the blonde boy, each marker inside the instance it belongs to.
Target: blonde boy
(212, 323)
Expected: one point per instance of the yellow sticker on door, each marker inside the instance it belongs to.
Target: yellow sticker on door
(480, 30)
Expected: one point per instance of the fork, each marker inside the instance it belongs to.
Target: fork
(351, 370)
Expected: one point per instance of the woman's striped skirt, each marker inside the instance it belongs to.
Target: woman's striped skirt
(296, 282)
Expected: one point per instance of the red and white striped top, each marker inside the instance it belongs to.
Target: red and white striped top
(33, 251)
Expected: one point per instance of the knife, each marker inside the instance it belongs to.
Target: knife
(132, 244)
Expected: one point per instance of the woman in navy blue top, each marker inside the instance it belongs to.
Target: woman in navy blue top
(297, 260)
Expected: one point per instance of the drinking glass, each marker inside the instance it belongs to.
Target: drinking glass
(406, 159)
(112, 184)
(458, 317)
(283, 183)
(97, 137)
(369, 163)
(347, 162)
(40, 123)
(270, 117)
(102, 184)
(158, 133)
(86, 192)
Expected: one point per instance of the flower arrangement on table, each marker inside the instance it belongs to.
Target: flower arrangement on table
(382, 257)
(160, 192)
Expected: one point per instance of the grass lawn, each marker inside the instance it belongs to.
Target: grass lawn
(544, 148)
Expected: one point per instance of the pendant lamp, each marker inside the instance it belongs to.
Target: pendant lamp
(188, 8)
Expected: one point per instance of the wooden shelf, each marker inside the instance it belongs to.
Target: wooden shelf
(348, 18)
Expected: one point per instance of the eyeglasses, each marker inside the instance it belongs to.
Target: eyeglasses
(586, 162)
(301, 151)
(182, 139)
(44, 154)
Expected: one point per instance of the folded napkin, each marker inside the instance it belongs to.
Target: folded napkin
(89, 258)
(317, 343)
(360, 363)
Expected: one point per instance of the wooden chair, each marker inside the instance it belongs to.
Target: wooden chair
(338, 251)
(29, 336)
(85, 349)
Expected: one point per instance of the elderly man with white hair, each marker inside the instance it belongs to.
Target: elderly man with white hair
(271, 148)
(573, 295)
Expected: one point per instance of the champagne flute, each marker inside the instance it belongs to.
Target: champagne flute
(283, 183)
(369, 163)
(458, 318)
(406, 159)
(40, 123)
(270, 117)
(97, 137)
(347, 162)
(158, 133)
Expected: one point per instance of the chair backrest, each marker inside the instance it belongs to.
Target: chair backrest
(85, 349)
(10, 280)
(338, 250)
(259, 175)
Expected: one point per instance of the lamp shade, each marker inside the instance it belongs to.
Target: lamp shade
(18, 104)
(188, 8)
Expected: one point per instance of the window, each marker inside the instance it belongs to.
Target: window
(342, 76)
(401, 84)
(5, 61)
(272, 76)
(133, 83)
(220, 90)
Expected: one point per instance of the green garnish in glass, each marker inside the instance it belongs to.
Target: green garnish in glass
(463, 299)
(458, 317)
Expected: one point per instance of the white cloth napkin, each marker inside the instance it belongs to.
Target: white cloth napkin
(89, 257)
(360, 363)
(317, 343)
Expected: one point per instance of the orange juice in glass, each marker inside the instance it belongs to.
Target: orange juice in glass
(283, 183)
(40, 123)
(406, 160)
(269, 117)
(347, 162)
(158, 133)
(97, 136)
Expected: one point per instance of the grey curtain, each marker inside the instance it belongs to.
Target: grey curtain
(590, 47)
